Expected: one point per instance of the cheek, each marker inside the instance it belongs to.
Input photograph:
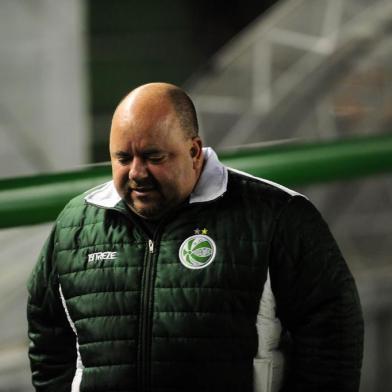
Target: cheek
(165, 178)
(120, 176)
(182, 181)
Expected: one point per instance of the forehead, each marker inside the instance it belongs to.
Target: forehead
(146, 129)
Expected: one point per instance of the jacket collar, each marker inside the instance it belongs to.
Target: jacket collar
(213, 179)
(211, 185)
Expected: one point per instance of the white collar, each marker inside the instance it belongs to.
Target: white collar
(211, 185)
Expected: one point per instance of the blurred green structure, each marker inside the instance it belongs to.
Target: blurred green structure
(37, 199)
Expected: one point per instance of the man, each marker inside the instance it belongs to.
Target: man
(167, 278)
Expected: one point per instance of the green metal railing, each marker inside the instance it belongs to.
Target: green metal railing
(37, 199)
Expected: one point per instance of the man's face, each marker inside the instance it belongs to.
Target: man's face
(154, 164)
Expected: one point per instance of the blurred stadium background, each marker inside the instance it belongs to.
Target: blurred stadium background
(261, 74)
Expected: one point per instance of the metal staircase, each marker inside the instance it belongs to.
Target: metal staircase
(284, 75)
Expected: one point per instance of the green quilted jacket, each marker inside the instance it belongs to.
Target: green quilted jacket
(112, 308)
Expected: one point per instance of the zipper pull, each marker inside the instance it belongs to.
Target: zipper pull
(151, 246)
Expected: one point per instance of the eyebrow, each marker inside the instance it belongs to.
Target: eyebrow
(152, 150)
(147, 151)
(121, 154)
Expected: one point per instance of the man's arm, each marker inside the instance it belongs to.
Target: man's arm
(52, 349)
(317, 302)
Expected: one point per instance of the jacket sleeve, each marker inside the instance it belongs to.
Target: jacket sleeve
(317, 303)
(52, 348)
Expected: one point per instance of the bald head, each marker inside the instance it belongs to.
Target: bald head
(156, 154)
(153, 99)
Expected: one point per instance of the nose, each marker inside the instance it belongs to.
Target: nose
(137, 170)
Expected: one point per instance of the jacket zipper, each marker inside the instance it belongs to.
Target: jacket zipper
(147, 291)
(146, 311)
(143, 365)
(146, 314)
(151, 246)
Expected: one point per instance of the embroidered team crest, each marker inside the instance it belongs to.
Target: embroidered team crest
(197, 251)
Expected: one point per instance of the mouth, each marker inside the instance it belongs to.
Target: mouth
(142, 191)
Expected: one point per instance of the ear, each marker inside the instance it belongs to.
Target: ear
(196, 152)
(193, 152)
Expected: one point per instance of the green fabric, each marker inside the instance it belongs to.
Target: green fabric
(200, 333)
(145, 322)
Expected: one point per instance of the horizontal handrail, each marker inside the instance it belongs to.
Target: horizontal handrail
(38, 199)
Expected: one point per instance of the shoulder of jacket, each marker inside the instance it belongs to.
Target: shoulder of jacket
(76, 211)
(261, 188)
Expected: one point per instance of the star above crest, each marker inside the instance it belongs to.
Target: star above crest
(203, 231)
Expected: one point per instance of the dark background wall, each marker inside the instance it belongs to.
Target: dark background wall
(135, 42)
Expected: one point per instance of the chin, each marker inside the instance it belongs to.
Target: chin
(147, 212)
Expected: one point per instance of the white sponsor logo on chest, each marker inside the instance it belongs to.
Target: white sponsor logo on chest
(93, 257)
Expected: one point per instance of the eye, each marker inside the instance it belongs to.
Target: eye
(121, 157)
(156, 157)
(123, 160)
